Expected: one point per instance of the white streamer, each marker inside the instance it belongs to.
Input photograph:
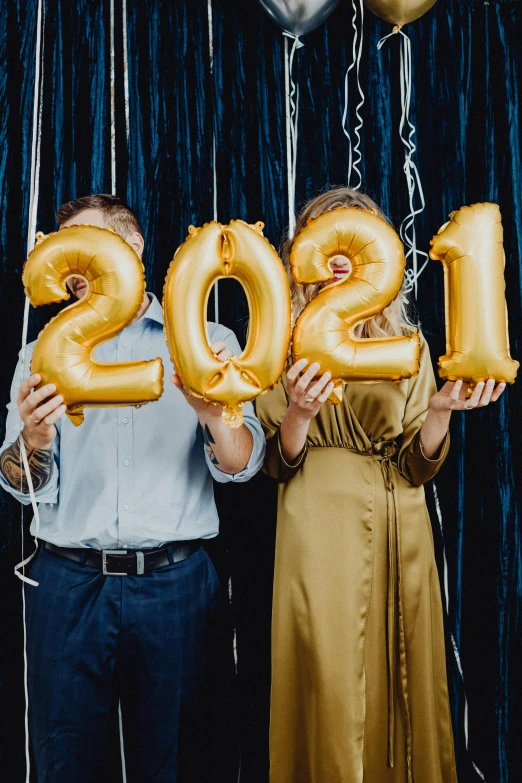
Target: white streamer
(113, 102)
(356, 61)
(125, 69)
(407, 229)
(31, 231)
(453, 642)
(292, 118)
(214, 171)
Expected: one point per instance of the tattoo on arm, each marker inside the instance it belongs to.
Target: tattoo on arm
(209, 440)
(40, 464)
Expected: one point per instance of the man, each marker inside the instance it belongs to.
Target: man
(135, 625)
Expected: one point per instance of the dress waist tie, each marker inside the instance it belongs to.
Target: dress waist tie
(395, 635)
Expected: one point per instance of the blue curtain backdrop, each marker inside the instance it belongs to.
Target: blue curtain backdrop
(467, 67)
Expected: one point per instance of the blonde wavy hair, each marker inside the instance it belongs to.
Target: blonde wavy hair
(394, 319)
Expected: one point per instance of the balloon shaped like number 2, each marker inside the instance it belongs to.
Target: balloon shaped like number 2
(324, 330)
(63, 352)
(240, 251)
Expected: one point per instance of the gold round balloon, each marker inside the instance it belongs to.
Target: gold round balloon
(209, 253)
(324, 330)
(471, 249)
(63, 352)
(399, 12)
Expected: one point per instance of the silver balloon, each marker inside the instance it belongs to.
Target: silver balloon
(299, 16)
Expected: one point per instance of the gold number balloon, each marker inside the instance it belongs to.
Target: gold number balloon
(471, 249)
(63, 352)
(399, 12)
(324, 330)
(240, 251)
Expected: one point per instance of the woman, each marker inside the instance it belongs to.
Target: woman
(359, 689)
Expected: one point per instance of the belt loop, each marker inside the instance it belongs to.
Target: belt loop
(83, 555)
(170, 555)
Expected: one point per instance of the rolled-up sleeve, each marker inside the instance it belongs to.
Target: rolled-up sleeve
(14, 424)
(255, 462)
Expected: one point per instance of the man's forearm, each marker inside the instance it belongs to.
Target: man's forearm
(228, 449)
(40, 464)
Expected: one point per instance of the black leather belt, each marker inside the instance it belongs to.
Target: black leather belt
(119, 562)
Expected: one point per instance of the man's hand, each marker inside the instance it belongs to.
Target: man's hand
(228, 449)
(39, 411)
(222, 353)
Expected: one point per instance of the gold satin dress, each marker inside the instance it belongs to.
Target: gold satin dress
(359, 688)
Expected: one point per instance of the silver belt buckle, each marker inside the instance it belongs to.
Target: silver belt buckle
(140, 562)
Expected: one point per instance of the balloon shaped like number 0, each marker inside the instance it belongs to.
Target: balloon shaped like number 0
(324, 330)
(240, 251)
(63, 352)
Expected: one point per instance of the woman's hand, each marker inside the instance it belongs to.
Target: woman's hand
(304, 400)
(305, 396)
(454, 396)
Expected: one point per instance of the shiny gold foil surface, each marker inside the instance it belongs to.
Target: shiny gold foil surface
(63, 352)
(471, 249)
(209, 253)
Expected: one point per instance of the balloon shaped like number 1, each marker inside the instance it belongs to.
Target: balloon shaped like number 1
(324, 330)
(471, 249)
(209, 253)
(63, 352)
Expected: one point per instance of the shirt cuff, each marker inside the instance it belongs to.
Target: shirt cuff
(255, 462)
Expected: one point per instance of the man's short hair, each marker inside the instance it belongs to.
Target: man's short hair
(118, 214)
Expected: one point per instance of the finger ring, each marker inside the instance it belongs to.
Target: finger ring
(466, 406)
(309, 399)
(35, 421)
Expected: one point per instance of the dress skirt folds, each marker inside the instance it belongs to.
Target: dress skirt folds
(359, 689)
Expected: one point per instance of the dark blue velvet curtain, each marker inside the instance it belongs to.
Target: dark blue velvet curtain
(466, 74)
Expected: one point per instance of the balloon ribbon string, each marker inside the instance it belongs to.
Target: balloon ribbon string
(354, 155)
(292, 117)
(407, 133)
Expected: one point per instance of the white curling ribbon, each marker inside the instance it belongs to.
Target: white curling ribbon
(31, 232)
(354, 155)
(292, 117)
(413, 182)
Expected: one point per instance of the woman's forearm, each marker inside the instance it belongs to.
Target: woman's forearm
(293, 432)
(433, 431)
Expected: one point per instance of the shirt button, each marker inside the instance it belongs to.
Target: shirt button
(125, 507)
(124, 344)
(125, 421)
(125, 462)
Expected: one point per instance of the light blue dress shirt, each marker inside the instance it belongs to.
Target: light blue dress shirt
(133, 477)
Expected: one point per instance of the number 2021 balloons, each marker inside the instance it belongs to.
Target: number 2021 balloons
(470, 247)
(63, 352)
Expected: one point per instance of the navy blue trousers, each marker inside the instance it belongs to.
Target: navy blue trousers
(149, 641)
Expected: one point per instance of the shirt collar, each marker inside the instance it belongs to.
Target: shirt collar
(154, 311)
